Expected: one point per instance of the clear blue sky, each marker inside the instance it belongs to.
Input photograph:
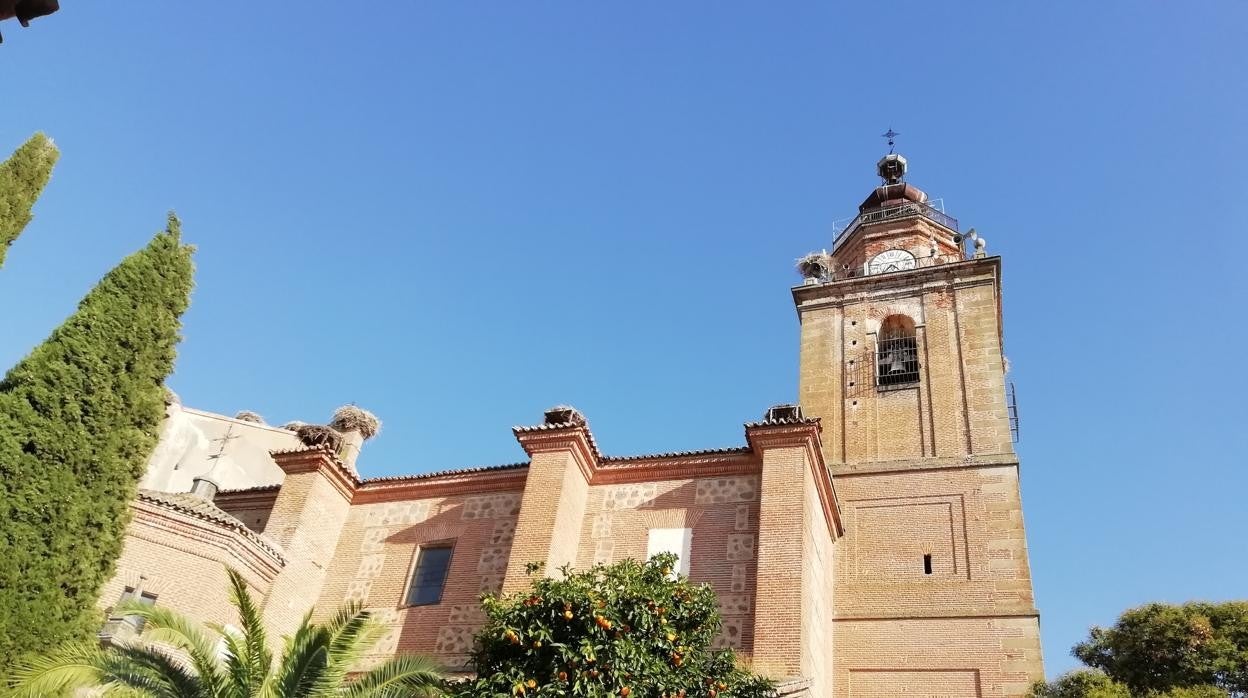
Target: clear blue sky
(458, 214)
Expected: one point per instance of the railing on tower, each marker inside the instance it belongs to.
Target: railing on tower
(848, 272)
(933, 210)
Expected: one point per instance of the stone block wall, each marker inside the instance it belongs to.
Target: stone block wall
(376, 557)
(723, 515)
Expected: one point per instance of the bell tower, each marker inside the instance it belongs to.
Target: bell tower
(901, 333)
(901, 359)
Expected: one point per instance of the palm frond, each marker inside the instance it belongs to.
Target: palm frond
(255, 651)
(304, 662)
(129, 671)
(163, 625)
(155, 670)
(237, 671)
(353, 632)
(75, 666)
(343, 615)
(403, 675)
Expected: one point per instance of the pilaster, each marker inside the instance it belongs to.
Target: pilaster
(548, 530)
(307, 520)
(799, 520)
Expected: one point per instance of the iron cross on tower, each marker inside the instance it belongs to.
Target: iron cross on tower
(891, 135)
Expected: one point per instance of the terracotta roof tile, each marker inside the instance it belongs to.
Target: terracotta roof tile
(258, 488)
(613, 460)
(192, 505)
(781, 422)
(445, 473)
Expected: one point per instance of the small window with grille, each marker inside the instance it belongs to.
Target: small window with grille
(429, 577)
(143, 597)
(897, 353)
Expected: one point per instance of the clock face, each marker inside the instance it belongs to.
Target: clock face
(890, 260)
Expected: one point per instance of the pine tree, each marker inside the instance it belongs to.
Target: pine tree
(22, 178)
(78, 418)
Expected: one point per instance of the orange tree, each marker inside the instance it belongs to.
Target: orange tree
(628, 629)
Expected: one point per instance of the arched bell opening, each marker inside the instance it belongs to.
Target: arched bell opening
(897, 352)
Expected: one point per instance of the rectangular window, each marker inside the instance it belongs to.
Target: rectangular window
(429, 578)
(671, 540)
(145, 598)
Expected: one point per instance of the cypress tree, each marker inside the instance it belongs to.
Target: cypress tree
(22, 178)
(79, 417)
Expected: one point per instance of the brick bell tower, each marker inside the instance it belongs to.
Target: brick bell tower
(901, 359)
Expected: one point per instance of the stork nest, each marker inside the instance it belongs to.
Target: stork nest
(815, 265)
(294, 425)
(249, 416)
(564, 414)
(312, 435)
(352, 418)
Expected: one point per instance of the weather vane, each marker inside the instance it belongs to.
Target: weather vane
(891, 135)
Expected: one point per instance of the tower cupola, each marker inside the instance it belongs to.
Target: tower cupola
(895, 190)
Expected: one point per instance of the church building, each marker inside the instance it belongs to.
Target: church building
(866, 541)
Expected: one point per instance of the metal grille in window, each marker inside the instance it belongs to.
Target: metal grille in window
(897, 360)
(143, 597)
(432, 564)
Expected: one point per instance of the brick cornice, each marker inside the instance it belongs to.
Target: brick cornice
(318, 459)
(441, 486)
(677, 467)
(802, 434)
(196, 536)
(984, 266)
(570, 437)
(1027, 612)
(992, 460)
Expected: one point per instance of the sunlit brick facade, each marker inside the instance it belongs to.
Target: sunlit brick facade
(867, 542)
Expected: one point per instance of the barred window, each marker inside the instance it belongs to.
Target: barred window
(897, 355)
(429, 577)
(143, 597)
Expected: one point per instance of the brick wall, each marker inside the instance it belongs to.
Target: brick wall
(377, 553)
(962, 657)
(307, 519)
(722, 513)
(958, 405)
(183, 562)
